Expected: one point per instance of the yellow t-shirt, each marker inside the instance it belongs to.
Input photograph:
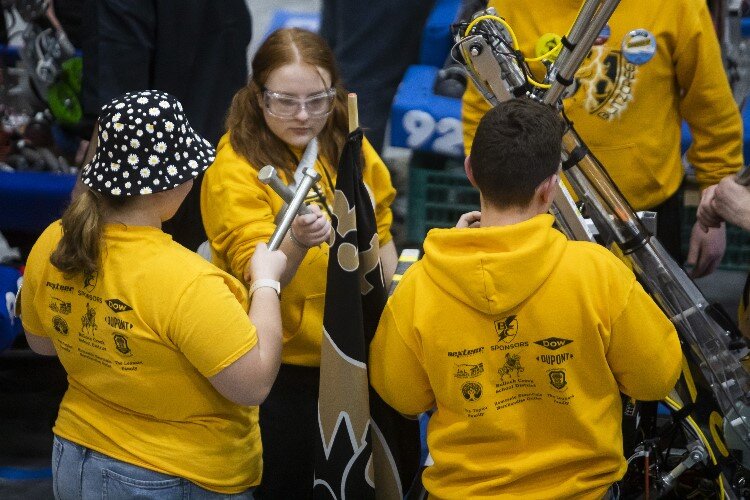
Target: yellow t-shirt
(630, 96)
(521, 340)
(239, 211)
(138, 340)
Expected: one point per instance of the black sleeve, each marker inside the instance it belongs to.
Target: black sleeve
(118, 45)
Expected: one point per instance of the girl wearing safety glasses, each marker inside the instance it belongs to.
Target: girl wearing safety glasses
(291, 113)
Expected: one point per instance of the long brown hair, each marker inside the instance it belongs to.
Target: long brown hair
(249, 133)
(79, 249)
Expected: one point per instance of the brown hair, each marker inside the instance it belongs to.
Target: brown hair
(249, 133)
(516, 147)
(78, 251)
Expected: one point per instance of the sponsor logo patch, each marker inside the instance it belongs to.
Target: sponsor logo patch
(88, 321)
(512, 363)
(89, 281)
(506, 329)
(557, 379)
(58, 286)
(471, 391)
(59, 306)
(465, 352)
(553, 343)
(117, 305)
(555, 359)
(121, 343)
(60, 325)
(469, 371)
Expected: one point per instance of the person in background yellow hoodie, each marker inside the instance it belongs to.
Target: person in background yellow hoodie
(293, 98)
(520, 339)
(653, 65)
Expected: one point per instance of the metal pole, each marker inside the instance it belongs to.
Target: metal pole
(573, 62)
(310, 177)
(269, 177)
(585, 15)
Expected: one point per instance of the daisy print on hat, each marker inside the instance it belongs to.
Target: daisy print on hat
(145, 135)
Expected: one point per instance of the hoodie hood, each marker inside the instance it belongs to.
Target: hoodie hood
(493, 269)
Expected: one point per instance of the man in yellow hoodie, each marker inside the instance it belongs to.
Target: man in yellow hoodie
(653, 65)
(520, 339)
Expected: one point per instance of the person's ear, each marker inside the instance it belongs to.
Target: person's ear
(548, 188)
(469, 172)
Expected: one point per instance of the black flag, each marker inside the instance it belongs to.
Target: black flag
(366, 449)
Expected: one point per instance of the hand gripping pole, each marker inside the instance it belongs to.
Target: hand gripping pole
(309, 177)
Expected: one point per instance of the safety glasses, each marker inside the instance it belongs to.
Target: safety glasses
(287, 107)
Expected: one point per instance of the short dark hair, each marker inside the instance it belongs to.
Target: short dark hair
(517, 145)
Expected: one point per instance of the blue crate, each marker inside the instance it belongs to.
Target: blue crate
(289, 19)
(10, 326)
(423, 121)
(436, 37)
(30, 201)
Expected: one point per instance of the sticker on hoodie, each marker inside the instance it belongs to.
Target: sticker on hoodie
(639, 46)
(604, 35)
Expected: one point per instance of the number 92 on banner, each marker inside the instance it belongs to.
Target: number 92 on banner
(421, 120)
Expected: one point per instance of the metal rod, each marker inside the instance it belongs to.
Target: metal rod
(270, 177)
(572, 63)
(584, 17)
(309, 177)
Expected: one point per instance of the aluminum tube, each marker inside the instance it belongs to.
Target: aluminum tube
(270, 177)
(309, 178)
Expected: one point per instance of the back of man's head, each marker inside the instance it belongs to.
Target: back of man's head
(516, 147)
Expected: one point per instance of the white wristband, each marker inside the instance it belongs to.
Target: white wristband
(265, 283)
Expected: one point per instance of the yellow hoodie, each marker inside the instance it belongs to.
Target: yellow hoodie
(239, 211)
(630, 97)
(521, 340)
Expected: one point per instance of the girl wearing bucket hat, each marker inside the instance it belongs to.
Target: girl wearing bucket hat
(292, 113)
(162, 359)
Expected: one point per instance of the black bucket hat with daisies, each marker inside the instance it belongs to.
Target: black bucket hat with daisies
(146, 145)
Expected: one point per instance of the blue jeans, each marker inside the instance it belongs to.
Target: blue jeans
(81, 474)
